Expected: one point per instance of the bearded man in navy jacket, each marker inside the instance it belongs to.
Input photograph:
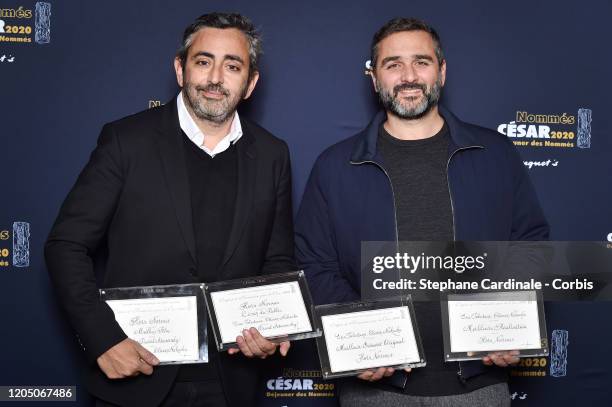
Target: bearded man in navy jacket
(415, 173)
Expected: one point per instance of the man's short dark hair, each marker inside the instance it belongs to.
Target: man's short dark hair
(401, 24)
(224, 20)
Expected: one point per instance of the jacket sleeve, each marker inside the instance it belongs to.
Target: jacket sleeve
(316, 249)
(528, 220)
(280, 253)
(78, 231)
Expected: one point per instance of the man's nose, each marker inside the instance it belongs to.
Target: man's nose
(408, 74)
(216, 74)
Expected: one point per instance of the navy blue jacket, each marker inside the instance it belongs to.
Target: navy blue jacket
(349, 199)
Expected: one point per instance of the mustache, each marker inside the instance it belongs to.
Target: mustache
(213, 87)
(408, 86)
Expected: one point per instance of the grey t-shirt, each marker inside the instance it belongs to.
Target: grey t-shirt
(417, 169)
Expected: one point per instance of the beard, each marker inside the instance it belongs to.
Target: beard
(217, 111)
(391, 102)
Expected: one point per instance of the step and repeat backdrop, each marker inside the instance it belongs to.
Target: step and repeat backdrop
(537, 72)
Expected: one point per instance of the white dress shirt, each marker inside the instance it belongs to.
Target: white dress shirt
(191, 129)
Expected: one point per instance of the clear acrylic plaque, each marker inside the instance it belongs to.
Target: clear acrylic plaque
(168, 320)
(279, 306)
(366, 335)
(476, 324)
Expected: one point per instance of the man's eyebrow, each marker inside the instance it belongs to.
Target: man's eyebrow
(389, 59)
(423, 56)
(414, 57)
(230, 57)
(234, 58)
(203, 54)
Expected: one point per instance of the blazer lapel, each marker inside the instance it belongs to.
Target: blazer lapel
(172, 155)
(247, 171)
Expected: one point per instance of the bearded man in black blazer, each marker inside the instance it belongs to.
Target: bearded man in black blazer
(184, 193)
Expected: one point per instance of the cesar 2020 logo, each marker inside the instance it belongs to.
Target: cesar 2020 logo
(549, 130)
(20, 30)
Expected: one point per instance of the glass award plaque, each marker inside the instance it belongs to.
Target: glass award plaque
(476, 324)
(279, 306)
(167, 320)
(366, 335)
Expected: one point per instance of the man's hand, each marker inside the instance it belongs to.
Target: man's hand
(128, 358)
(252, 345)
(502, 359)
(375, 375)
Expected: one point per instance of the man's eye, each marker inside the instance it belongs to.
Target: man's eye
(392, 66)
(234, 68)
(202, 63)
(422, 63)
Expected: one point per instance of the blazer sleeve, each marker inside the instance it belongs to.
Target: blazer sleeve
(78, 231)
(528, 220)
(280, 252)
(316, 250)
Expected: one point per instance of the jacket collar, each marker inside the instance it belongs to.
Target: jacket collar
(365, 147)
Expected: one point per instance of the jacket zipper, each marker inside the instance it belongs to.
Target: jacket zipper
(394, 215)
(450, 194)
(392, 194)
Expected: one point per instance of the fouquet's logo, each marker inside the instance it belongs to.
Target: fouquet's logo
(529, 129)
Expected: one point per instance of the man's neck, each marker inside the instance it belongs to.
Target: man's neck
(417, 129)
(213, 132)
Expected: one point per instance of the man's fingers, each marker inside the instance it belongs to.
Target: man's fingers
(267, 347)
(128, 358)
(378, 374)
(374, 375)
(146, 356)
(108, 369)
(408, 370)
(250, 342)
(511, 358)
(233, 351)
(284, 347)
(502, 359)
(365, 375)
(244, 348)
(498, 359)
(145, 368)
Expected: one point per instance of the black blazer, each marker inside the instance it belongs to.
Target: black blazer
(132, 204)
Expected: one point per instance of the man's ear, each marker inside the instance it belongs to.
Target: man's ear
(252, 83)
(373, 77)
(443, 72)
(178, 69)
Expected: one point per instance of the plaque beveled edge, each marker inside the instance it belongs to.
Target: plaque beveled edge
(365, 305)
(255, 281)
(169, 290)
(449, 356)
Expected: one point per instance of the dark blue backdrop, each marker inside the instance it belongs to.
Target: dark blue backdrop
(109, 59)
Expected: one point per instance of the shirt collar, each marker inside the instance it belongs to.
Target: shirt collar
(193, 132)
